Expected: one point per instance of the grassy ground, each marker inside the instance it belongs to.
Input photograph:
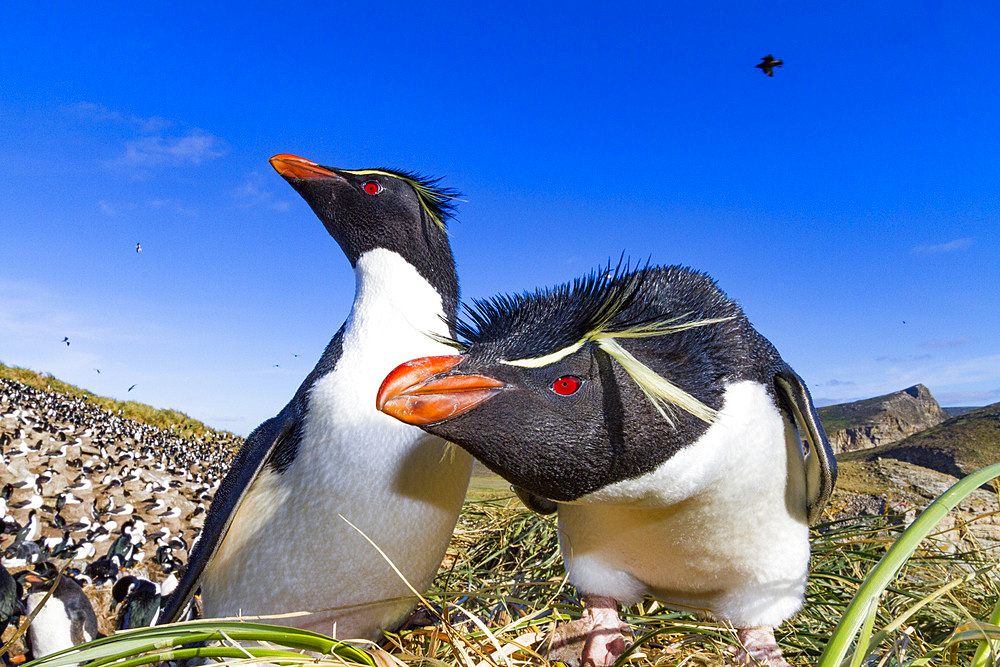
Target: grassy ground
(502, 590)
(505, 586)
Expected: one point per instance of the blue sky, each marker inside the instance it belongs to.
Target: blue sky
(850, 203)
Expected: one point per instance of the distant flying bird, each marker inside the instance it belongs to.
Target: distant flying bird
(66, 340)
(98, 370)
(138, 247)
(768, 64)
(130, 388)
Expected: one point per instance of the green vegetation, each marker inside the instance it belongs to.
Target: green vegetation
(169, 420)
(502, 589)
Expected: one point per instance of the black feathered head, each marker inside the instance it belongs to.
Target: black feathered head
(533, 330)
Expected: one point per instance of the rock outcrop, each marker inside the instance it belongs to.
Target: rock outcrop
(956, 447)
(881, 420)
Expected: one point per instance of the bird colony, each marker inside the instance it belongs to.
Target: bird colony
(111, 495)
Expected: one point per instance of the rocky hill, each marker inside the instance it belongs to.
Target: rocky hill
(956, 447)
(881, 420)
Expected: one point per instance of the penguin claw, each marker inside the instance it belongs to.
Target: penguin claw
(757, 647)
(595, 640)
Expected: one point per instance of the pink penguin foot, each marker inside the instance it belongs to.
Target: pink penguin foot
(595, 640)
(757, 646)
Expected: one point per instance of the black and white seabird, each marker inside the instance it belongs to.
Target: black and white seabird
(685, 458)
(276, 538)
(66, 617)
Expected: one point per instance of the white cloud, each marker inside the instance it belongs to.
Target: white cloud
(194, 147)
(950, 246)
(253, 193)
(156, 144)
(100, 113)
(948, 342)
(172, 205)
(961, 398)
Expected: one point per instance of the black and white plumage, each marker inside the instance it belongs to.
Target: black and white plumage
(276, 537)
(65, 619)
(666, 431)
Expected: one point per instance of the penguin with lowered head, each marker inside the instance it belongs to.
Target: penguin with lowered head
(276, 538)
(683, 455)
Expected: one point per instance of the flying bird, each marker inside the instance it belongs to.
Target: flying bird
(768, 64)
(273, 539)
(665, 431)
(138, 247)
(130, 388)
(66, 340)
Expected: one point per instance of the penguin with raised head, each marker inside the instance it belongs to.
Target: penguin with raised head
(684, 456)
(276, 538)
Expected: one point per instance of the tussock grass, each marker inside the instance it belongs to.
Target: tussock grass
(502, 589)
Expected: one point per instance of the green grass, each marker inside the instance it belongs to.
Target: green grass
(182, 425)
(502, 590)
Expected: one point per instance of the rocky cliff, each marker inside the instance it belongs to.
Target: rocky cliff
(881, 420)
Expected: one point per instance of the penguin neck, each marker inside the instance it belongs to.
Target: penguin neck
(385, 282)
(427, 260)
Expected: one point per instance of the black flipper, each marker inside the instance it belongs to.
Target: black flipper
(820, 462)
(274, 434)
(535, 502)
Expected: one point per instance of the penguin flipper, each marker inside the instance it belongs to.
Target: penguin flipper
(246, 467)
(820, 462)
(535, 502)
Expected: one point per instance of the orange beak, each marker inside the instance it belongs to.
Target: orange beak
(416, 393)
(293, 166)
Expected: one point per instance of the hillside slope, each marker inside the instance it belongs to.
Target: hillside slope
(956, 447)
(880, 420)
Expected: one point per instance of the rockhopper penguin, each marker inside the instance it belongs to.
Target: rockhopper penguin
(66, 617)
(685, 458)
(276, 538)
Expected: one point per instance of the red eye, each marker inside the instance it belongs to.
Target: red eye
(373, 187)
(566, 385)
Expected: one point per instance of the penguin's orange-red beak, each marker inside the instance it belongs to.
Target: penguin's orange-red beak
(417, 392)
(293, 166)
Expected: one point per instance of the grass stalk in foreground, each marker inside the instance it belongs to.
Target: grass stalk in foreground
(883, 573)
(167, 642)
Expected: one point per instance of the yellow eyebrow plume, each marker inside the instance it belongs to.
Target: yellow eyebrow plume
(662, 393)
